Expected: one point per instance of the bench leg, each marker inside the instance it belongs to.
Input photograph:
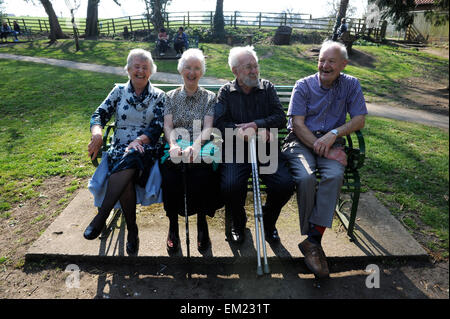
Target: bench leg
(112, 218)
(349, 223)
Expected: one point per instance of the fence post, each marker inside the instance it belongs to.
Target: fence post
(285, 18)
(143, 24)
(114, 27)
(40, 26)
(235, 19)
(260, 17)
(131, 27)
(24, 24)
(188, 19)
(211, 19)
(148, 22)
(45, 24)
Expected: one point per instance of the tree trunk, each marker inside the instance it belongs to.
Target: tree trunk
(55, 28)
(219, 23)
(341, 14)
(157, 17)
(91, 31)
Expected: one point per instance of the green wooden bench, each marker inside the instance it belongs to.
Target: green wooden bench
(355, 150)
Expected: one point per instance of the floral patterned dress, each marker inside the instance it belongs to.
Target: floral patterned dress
(134, 116)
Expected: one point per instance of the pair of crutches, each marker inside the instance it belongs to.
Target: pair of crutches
(259, 223)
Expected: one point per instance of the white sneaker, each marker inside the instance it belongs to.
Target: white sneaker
(162, 53)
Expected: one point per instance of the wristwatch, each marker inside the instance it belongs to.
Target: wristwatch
(335, 132)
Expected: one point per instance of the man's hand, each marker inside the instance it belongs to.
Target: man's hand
(322, 145)
(265, 135)
(94, 145)
(338, 154)
(246, 130)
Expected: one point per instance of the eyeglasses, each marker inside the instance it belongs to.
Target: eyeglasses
(249, 67)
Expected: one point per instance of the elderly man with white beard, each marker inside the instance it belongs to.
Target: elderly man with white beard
(317, 123)
(246, 106)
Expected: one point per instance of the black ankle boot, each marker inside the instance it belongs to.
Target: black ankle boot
(132, 243)
(95, 227)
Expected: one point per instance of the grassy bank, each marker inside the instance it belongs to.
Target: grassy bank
(44, 131)
(379, 68)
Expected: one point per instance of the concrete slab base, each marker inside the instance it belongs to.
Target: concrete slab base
(378, 236)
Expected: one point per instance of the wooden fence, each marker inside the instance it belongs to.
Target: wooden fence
(115, 26)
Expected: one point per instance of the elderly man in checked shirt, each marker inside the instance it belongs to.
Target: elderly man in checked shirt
(317, 121)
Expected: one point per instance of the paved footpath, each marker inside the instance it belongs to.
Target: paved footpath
(397, 113)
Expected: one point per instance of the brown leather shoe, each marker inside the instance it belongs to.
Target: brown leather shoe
(315, 258)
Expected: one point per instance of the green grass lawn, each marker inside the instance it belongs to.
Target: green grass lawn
(283, 65)
(45, 112)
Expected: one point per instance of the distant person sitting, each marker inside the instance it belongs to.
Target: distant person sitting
(343, 28)
(180, 42)
(163, 41)
(5, 30)
(16, 27)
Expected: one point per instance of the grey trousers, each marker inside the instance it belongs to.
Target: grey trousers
(316, 201)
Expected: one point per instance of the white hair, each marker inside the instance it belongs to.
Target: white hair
(333, 44)
(142, 54)
(236, 52)
(192, 54)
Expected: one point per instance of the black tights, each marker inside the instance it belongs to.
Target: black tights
(202, 224)
(120, 188)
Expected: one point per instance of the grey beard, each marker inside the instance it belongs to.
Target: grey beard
(250, 83)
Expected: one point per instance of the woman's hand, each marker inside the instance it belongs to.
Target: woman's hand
(175, 152)
(94, 145)
(191, 153)
(136, 145)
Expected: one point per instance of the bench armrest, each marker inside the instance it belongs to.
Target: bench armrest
(355, 156)
(105, 144)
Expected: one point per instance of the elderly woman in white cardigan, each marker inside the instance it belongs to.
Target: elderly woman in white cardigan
(138, 109)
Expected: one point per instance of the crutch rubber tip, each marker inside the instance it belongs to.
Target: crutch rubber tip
(266, 269)
(259, 271)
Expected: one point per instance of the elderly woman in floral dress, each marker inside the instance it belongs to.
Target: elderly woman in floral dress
(138, 109)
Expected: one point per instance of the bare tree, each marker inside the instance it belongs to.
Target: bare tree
(55, 28)
(72, 9)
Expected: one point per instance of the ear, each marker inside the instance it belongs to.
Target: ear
(234, 70)
(344, 63)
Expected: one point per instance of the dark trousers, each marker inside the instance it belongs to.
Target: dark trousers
(163, 45)
(234, 181)
(178, 46)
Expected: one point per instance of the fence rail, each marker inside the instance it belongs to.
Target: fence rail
(116, 26)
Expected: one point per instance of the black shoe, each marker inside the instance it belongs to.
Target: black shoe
(92, 232)
(237, 236)
(132, 245)
(272, 236)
